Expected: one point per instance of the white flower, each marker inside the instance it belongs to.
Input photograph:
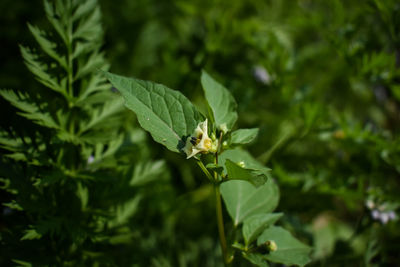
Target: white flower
(199, 142)
(383, 216)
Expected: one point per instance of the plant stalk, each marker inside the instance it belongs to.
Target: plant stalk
(220, 223)
(206, 172)
(218, 206)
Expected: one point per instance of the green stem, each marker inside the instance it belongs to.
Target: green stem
(220, 223)
(70, 69)
(206, 172)
(69, 44)
(218, 204)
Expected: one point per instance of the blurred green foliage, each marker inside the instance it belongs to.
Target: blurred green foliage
(320, 78)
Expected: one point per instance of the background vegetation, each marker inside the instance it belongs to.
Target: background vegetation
(82, 184)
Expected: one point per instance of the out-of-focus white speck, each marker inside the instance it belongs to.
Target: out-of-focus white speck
(375, 214)
(384, 217)
(90, 159)
(261, 74)
(392, 215)
(370, 204)
(380, 212)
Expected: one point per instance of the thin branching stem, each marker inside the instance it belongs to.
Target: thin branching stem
(206, 172)
(220, 223)
(218, 206)
(69, 45)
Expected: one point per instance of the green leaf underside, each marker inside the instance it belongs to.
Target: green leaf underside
(244, 136)
(236, 172)
(242, 199)
(165, 113)
(220, 100)
(290, 251)
(256, 224)
(239, 155)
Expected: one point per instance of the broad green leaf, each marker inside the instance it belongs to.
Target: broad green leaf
(290, 251)
(256, 224)
(222, 103)
(167, 114)
(244, 136)
(242, 199)
(236, 172)
(242, 157)
(256, 259)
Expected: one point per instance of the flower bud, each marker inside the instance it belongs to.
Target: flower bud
(223, 128)
(271, 245)
(241, 164)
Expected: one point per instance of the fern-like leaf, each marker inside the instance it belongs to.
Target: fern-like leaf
(29, 109)
(41, 71)
(47, 46)
(98, 116)
(53, 17)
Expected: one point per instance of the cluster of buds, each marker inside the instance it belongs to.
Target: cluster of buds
(200, 142)
(379, 213)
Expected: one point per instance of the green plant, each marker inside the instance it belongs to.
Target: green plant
(249, 194)
(71, 167)
(319, 78)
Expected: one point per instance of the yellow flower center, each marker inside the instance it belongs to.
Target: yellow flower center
(207, 144)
